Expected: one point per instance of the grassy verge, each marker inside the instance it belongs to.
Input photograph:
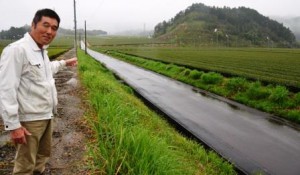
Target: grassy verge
(131, 139)
(269, 98)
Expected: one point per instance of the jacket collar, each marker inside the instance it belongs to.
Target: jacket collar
(32, 43)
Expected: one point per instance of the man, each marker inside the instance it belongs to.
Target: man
(28, 96)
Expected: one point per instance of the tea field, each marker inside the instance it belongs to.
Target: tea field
(278, 66)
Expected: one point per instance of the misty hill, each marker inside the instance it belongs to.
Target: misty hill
(18, 32)
(144, 33)
(291, 23)
(204, 25)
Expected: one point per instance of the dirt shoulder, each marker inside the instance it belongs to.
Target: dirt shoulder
(68, 145)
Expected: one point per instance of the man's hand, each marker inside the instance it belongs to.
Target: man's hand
(71, 62)
(18, 136)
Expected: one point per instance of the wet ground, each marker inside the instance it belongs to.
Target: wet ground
(68, 137)
(254, 141)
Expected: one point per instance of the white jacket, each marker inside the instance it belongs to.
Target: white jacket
(27, 87)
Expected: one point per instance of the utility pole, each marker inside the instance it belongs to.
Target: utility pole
(79, 39)
(75, 28)
(85, 37)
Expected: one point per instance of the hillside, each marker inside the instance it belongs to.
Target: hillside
(291, 23)
(204, 25)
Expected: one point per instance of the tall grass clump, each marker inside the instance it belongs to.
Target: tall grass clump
(293, 115)
(211, 78)
(279, 94)
(131, 139)
(236, 84)
(297, 98)
(172, 69)
(195, 74)
(169, 66)
(257, 92)
(186, 72)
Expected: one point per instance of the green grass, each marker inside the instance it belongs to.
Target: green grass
(63, 42)
(280, 66)
(130, 138)
(55, 52)
(4, 43)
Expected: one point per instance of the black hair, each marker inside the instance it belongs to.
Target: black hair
(45, 12)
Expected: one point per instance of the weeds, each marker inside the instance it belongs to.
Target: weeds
(279, 94)
(297, 98)
(257, 92)
(236, 84)
(211, 78)
(195, 74)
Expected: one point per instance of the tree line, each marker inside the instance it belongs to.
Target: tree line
(15, 33)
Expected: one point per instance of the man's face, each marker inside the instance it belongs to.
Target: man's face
(44, 31)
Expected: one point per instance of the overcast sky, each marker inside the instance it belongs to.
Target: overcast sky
(119, 15)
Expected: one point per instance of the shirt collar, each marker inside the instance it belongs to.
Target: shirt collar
(33, 44)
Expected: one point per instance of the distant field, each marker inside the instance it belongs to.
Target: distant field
(121, 41)
(58, 46)
(4, 43)
(63, 42)
(52, 52)
(55, 52)
(280, 66)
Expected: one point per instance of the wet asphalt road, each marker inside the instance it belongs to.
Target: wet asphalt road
(252, 140)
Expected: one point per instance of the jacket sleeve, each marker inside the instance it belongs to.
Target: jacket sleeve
(11, 63)
(57, 66)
